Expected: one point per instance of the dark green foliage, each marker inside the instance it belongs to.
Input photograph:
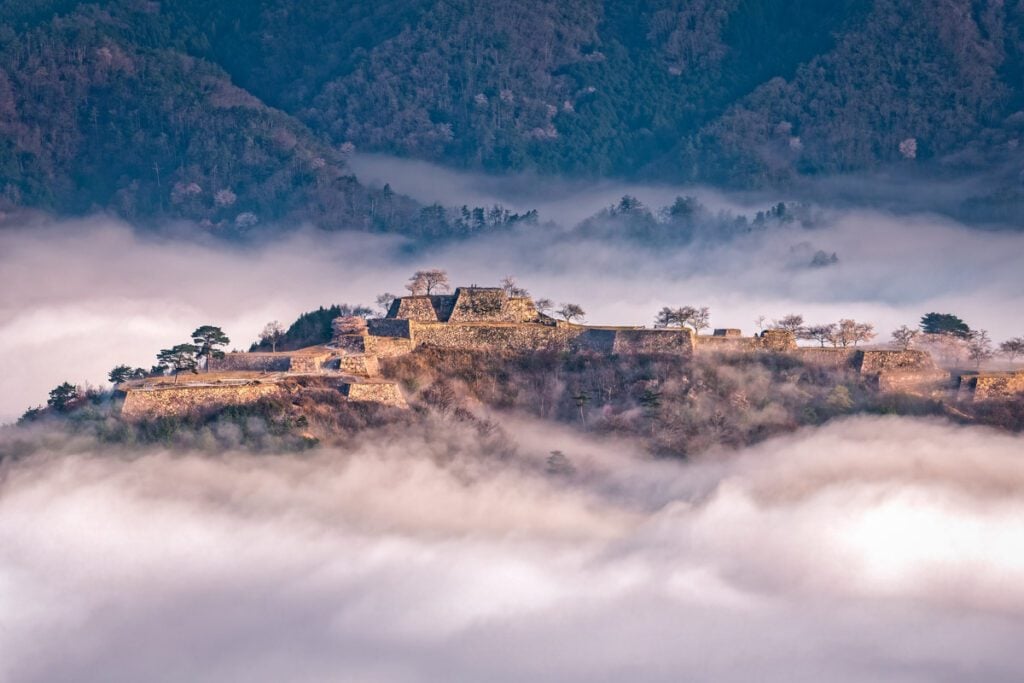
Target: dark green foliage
(63, 397)
(239, 113)
(945, 323)
(123, 373)
(312, 328)
(207, 338)
(180, 358)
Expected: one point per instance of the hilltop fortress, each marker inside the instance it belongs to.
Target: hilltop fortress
(490, 319)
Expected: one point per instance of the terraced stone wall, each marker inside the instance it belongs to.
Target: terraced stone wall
(251, 362)
(384, 393)
(196, 400)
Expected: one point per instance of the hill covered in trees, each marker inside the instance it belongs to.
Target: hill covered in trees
(235, 112)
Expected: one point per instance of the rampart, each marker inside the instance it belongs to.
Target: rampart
(181, 401)
(985, 386)
(909, 371)
(726, 343)
(481, 337)
(251, 362)
(421, 308)
(467, 304)
(359, 364)
(828, 357)
(390, 327)
(384, 393)
(308, 361)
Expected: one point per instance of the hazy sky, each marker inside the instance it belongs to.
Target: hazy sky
(872, 549)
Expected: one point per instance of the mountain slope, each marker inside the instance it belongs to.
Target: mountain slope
(136, 105)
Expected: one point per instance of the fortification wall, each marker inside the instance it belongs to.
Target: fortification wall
(309, 362)
(385, 393)
(879, 361)
(726, 342)
(521, 309)
(653, 341)
(251, 362)
(828, 357)
(911, 381)
(388, 347)
(390, 327)
(989, 386)
(359, 364)
(777, 340)
(422, 308)
(191, 400)
(515, 338)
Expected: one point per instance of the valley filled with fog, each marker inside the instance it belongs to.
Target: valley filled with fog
(885, 549)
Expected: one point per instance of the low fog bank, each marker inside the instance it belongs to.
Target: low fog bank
(565, 202)
(78, 297)
(879, 549)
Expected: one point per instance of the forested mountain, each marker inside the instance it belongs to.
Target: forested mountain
(244, 110)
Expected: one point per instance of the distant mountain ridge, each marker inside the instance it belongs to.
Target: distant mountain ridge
(237, 111)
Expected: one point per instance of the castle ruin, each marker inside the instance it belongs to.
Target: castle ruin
(489, 319)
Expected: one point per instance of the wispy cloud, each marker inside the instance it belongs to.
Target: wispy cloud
(871, 549)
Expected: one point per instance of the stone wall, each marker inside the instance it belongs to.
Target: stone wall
(390, 327)
(388, 347)
(421, 308)
(986, 386)
(467, 304)
(309, 362)
(514, 338)
(251, 362)
(923, 381)
(828, 357)
(777, 340)
(653, 341)
(359, 364)
(909, 372)
(726, 342)
(878, 361)
(385, 393)
(181, 401)
(521, 309)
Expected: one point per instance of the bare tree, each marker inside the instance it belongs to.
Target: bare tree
(544, 305)
(979, 347)
(512, 288)
(759, 323)
(820, 333)
(904, 337)
(1011, 348)
(428, 281)
(570, 312)
(697, 318)
(385, 300)
(790, 323)
(668, 317)
(850, 332)
(272, 334)
(417, 285)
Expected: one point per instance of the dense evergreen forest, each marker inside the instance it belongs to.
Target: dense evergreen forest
(244, 111)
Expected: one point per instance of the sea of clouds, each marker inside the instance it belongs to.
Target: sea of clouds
(872, 549)
(78, 297)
